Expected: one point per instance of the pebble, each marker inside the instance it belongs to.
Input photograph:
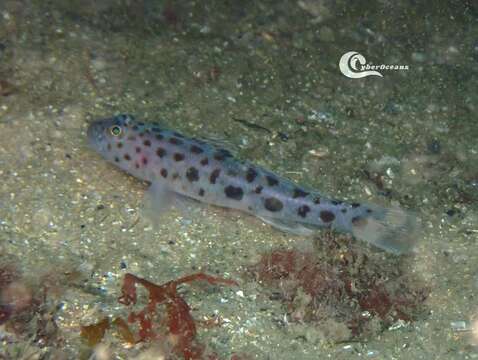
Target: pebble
(451, 212)
(41, 219)
(418, 57)
(434, 146)
(98, 64)
(392, 108)
(460, 325)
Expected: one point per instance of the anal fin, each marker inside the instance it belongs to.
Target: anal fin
(292, 227)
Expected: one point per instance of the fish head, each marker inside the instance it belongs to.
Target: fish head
(105, 134)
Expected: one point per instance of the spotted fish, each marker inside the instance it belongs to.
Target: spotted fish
(192, 168)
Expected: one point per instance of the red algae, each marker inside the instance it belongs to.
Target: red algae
(348, 287)
(26, 312)
(180, 325)
(124, 331)
(8, 275)
(16, 300)
(6, 88)
(175, 327)
(94, 333)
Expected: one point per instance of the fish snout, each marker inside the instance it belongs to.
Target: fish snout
(95, 134)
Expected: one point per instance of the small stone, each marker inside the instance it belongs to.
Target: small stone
(392, 108)
(98, 64)
(41, 219)
(320, 152)
(434, 146)
(451, 212)
(460, 325)
(418, 57)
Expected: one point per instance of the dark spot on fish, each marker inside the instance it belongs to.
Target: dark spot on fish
(164, 173)
(119, 145)
(140, 123)
(201, 192)
(234, 192)
(159, 137)
(196, 149)
(214, 176)
(135, 127)
(205, 161)
(175, 176)
(147, 143)
(344, 210)
(221, 154)
(251, 175)
(117, 159)
(317, 200)
(136, 165)
(335, 202)
(369, 211)
(175, 141)
(258, 189)
(141, 134)
(355, 205)
(192, 174)
(299, 193)
(178, 157)
(273, 204)
(272, 181)
(145, 161)
(108, 146)
(160, 152)
(327, 216)
(127, 157)
(131, 138)
(138, 149)
(156, 129)
(303, 210)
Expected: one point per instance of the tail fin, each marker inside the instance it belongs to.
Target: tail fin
(391, 229)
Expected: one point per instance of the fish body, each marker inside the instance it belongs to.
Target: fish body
(191, 167)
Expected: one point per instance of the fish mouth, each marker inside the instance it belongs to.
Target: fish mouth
(95, 134)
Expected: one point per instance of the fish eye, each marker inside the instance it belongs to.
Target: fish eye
(115, 130)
